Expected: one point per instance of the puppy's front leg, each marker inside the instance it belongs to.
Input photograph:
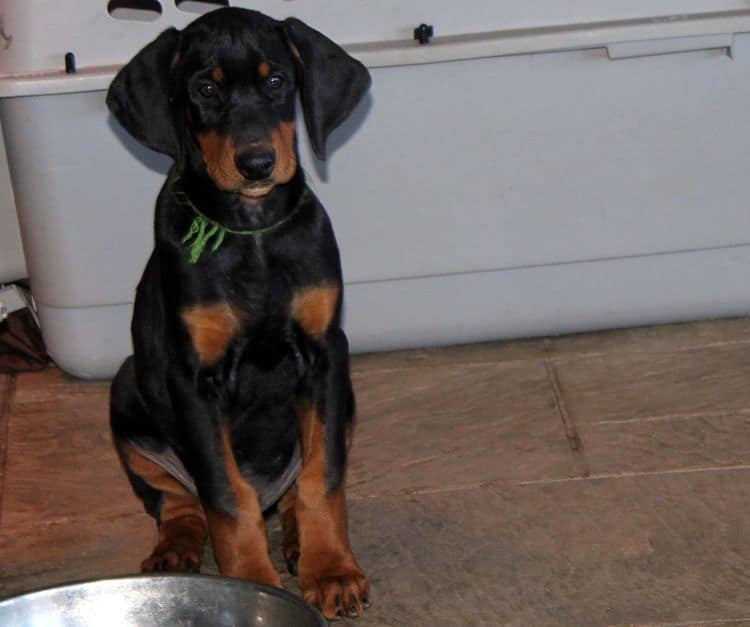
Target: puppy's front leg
(235, 520)
(329, 575)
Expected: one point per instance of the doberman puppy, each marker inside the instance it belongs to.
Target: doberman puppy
(238, 395)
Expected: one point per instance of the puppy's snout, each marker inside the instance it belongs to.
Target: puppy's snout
(256, 165)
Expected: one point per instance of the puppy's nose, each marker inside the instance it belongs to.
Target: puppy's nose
(256, 165)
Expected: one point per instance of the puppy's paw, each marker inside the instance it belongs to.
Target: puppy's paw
(180, 547)
(172, 561)
(339, 589)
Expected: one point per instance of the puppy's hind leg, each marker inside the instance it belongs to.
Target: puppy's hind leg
(179, 515)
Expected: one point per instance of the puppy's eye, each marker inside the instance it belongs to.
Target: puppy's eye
(207, 89)
(274, 81)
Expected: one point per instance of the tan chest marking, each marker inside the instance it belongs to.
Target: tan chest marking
(211, 328)
(314, 308)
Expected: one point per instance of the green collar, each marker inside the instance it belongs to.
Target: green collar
(203, 229)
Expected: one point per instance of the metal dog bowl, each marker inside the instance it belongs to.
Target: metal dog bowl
(160, 601)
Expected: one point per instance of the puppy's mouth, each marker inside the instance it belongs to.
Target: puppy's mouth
(254, 190)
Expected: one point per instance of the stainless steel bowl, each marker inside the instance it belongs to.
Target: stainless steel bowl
(160, 600)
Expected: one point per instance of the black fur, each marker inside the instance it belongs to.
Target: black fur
(163, 395)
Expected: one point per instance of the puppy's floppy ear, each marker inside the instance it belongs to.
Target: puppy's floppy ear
(332, 82)
(139, 95)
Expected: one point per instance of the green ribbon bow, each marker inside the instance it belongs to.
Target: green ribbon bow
(203, 229)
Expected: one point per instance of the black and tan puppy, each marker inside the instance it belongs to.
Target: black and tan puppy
(238, 392)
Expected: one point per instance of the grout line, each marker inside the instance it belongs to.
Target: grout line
(690, 623)
(548, 341)
(500, 483)
(715, 344)
(580, 355)
(459, 487)
(638, 473)
(729, 413)
(571, 432)
(570, 429)
(570, 354)
(476, 363)
(74, 520)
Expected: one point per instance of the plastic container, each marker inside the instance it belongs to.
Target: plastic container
(536, 168)
(12, 263)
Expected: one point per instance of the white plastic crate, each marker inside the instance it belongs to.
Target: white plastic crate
(539, 167)
(12, 264)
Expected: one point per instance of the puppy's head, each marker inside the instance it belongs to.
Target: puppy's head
(219, 96)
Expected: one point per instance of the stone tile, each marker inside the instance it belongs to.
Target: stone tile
(639, 550)
(628, 386)
(467, 506)
(7, 389)
(652, 339)
(54, 385)
(503, 351)
(60, 459)
(48, 554)
(443, 426)
(645, 550)
(666, 445)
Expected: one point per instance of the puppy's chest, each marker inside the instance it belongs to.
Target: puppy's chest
(258, 315)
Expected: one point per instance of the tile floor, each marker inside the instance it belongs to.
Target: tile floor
(599, 479)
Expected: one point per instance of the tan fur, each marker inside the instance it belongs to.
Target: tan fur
(314, 308)
(239, 542)
(211, 328)
(282, 140)
(218, 155)
(328, 571)
(182, 522)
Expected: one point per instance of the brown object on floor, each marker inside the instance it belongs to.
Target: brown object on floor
(21, 345)
(599, 479)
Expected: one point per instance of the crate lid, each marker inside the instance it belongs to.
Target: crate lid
(35, 35)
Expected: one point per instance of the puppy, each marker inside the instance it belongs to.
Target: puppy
(238, 394)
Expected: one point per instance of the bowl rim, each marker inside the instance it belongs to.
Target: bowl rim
(281, 593)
